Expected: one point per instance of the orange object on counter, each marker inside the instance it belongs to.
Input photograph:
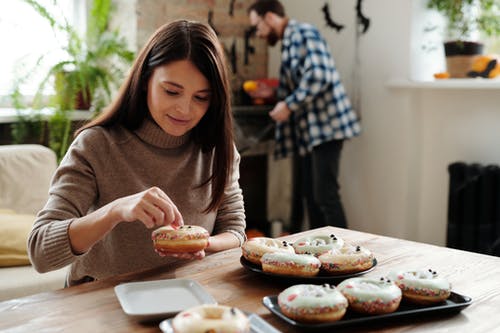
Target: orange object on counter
(487, 66)
(262, 91)
(442, 75)
(250, 86)
(254, 233)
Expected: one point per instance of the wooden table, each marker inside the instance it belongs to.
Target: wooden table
(93, 307)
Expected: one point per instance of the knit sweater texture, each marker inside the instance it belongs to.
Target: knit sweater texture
(104, 164)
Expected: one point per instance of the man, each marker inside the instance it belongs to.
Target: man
(313, 116)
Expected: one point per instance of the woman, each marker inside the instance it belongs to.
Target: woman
(162, 154)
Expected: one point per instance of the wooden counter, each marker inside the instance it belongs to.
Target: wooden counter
(93, 307)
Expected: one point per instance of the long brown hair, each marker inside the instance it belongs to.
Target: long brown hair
(198, 43)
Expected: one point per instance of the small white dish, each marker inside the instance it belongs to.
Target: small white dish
(158, 299)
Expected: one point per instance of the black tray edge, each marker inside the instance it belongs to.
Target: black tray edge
(455, 303)
(297, 279)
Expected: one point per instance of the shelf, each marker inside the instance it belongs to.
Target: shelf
(9, 115)
(450, 84)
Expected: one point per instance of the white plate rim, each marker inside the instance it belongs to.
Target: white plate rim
(192, 286)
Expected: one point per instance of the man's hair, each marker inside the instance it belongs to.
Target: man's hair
(261, 7)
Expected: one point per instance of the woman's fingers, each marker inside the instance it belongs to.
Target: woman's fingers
(160, 208)
(152, 207)
(172, 214)
(151, 215)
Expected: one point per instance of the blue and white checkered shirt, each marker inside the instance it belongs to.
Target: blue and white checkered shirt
(310, 86)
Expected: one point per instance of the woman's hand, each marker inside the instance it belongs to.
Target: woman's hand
(152, 207)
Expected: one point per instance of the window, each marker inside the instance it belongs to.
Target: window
(26, 36)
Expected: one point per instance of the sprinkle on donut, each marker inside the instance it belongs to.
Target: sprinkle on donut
(371, 295)
(254, 248)
(348, 259)
(312, 303)
(187, 238)
(283, 263)
(211, 318)
(318, 244)
(422, 286)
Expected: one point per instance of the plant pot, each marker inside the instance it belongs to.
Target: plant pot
(460, 55)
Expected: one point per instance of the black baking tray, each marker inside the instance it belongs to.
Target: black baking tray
(454, 304)
(321, 278)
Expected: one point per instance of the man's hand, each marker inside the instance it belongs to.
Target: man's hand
(281, 112)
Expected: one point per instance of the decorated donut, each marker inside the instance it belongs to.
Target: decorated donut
(422, 286)
(370, 295)
(317, 244)
(211, 318)
(188, 238)
(283, 263)
(312, 303)
(346, 260)
(254, 248)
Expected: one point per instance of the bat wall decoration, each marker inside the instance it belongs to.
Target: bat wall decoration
(328, 19)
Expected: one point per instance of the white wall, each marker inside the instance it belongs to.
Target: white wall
(394, 176)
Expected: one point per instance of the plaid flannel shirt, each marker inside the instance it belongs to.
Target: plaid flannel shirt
(310, 86)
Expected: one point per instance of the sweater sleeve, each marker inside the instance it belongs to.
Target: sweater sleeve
(72, 192)
(231, 213)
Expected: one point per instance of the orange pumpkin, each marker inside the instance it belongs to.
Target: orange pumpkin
(487, 66)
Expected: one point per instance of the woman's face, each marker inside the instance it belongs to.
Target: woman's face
(178, 96)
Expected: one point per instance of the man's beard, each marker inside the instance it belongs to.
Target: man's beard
(272, 38)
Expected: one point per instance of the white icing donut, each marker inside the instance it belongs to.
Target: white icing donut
(422, 286)
(370, 295)
(254, 248)
(211, 318)
(312, 303)
(317, 244)
(284, 263)
(348, 259)
(188, 238)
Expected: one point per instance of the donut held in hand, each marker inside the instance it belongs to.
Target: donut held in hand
(188, 238)
(370, 295)
(211, 318)
(312, 303)
(283, 263)
(254, 248)
(421, 286)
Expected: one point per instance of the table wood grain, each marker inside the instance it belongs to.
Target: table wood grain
(94, 307)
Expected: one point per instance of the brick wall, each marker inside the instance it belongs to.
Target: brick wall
(151, 14)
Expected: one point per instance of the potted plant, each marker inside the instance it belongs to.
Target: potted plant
(466, 19)
(93, 66)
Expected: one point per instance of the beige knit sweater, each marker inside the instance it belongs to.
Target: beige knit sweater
(105, 164)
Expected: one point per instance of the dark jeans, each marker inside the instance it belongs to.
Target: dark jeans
(315, 179)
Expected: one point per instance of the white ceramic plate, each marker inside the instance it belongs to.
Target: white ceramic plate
(257, 325)
(160, 299)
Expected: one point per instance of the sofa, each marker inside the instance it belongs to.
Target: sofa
(25, 174)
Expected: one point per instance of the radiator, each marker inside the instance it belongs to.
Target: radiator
(474, 208)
